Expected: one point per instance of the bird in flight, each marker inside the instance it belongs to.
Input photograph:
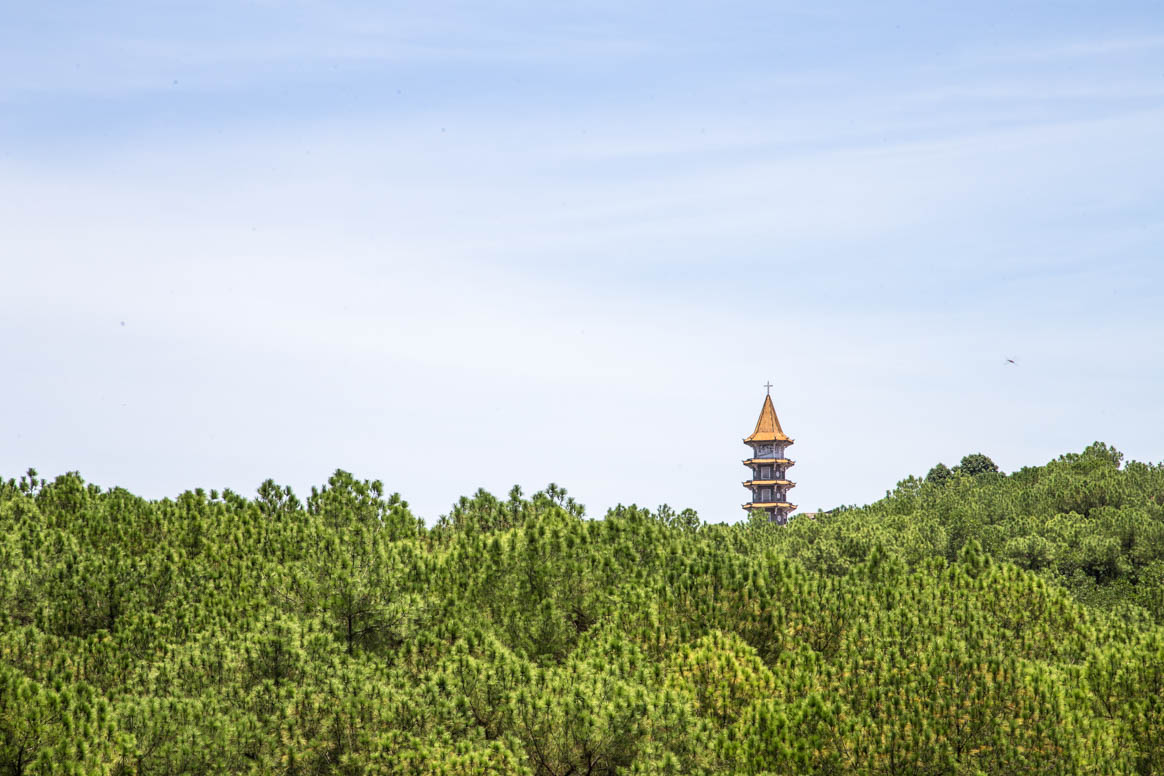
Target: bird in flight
(1010, 361)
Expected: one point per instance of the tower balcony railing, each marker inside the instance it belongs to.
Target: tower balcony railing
(780, 505)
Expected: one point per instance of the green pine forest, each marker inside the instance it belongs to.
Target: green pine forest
(970, 622)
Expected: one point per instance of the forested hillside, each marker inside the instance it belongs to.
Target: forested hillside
(1081, 521)
(968, 623)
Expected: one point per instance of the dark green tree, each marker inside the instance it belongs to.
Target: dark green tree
(939, 474)
(976, 463)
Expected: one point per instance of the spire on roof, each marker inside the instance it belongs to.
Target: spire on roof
(768, 426)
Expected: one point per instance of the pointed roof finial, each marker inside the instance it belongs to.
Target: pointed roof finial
(768, 425)
(768, 385)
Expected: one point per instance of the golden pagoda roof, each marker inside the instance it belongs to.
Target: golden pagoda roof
(768, 426)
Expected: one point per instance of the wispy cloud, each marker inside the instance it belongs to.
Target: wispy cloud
(1097, 46)
(215, 47)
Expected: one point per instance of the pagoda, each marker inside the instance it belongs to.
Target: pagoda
(769, 482)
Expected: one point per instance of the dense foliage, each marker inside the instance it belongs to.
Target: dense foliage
(1081, 521)
(976, 623)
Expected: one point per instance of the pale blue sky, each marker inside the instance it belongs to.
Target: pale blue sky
(451, 245)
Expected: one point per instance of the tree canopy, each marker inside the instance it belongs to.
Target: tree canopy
(971, 622)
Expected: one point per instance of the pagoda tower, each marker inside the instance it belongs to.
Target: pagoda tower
(769, 482)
